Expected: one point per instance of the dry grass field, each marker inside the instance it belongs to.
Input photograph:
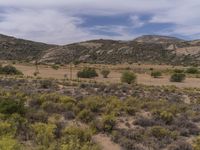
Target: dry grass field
(142, 71)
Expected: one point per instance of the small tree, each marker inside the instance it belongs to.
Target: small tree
(177, 77)
(128, 77)
(105, 73)
(156, 74)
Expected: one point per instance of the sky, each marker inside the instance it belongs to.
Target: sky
(69, 21)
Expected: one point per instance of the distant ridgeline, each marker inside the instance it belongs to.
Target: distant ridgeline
(145, 49)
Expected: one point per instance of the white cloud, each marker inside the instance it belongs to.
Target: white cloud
(136, 21)
(59, 22)
(43, 25)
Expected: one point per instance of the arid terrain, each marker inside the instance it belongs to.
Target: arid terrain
(100, 95)
(143, 73)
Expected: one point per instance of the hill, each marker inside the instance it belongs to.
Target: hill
(12, 48)
(145, 49)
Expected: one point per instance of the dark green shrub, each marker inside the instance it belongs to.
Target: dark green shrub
(177, 77)
(128, 77)
(156, 74)
(8, 106)
(10, 70)
(192, 70)
(105, 73)
(87, 73)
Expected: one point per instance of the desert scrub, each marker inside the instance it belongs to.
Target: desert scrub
(9, 143)
(160, 132)
(178, 70)
(78, 138)
(105, 73)
(87, 73)
(85, 116)
(192, 70)
(108, 122)
(156, 74)
(177, 77)
(196, 143)
(128, 77)
(10, 70)
(43, 133)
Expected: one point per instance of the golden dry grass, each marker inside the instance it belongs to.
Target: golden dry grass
(114, 76)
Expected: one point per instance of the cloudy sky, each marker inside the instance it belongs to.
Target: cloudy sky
(67, 21)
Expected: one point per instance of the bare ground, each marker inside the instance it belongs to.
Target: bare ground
(105, 142)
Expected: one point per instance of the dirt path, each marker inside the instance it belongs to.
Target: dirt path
(105, 142)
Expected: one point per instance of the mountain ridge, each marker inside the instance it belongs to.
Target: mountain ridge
(146, 48)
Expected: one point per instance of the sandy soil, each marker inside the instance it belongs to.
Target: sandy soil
(105, 142)
(114, 77)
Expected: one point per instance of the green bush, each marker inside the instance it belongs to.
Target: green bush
(161, 132)
(105, 73)
(8, 143)
(128, 77)
(156, 74)
(10, 70)
(87, 73)
(178, 77)
(108, 123)
(43, 133)
(192, 70)
(85, 116)
(8, 106)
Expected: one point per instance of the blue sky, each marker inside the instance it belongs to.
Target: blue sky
(68, 21)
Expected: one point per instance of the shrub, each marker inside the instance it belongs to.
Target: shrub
(6, 129)
(167, 117)
(87, 73)
(108, 123)
(105, 73)
(160, 133)
(128, 77)
(8, 143)
(55, 67)
(43, 133)
(8, 106)
(177, 77)
(180, 145)
(85, 116)
(192, 70)
(10, 70)
(196, 144)
(156, 74)
(51, 107)
(75, 144)
(81, 134)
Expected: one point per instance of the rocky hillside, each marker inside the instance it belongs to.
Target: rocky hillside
(18, 49)
(148, 49)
